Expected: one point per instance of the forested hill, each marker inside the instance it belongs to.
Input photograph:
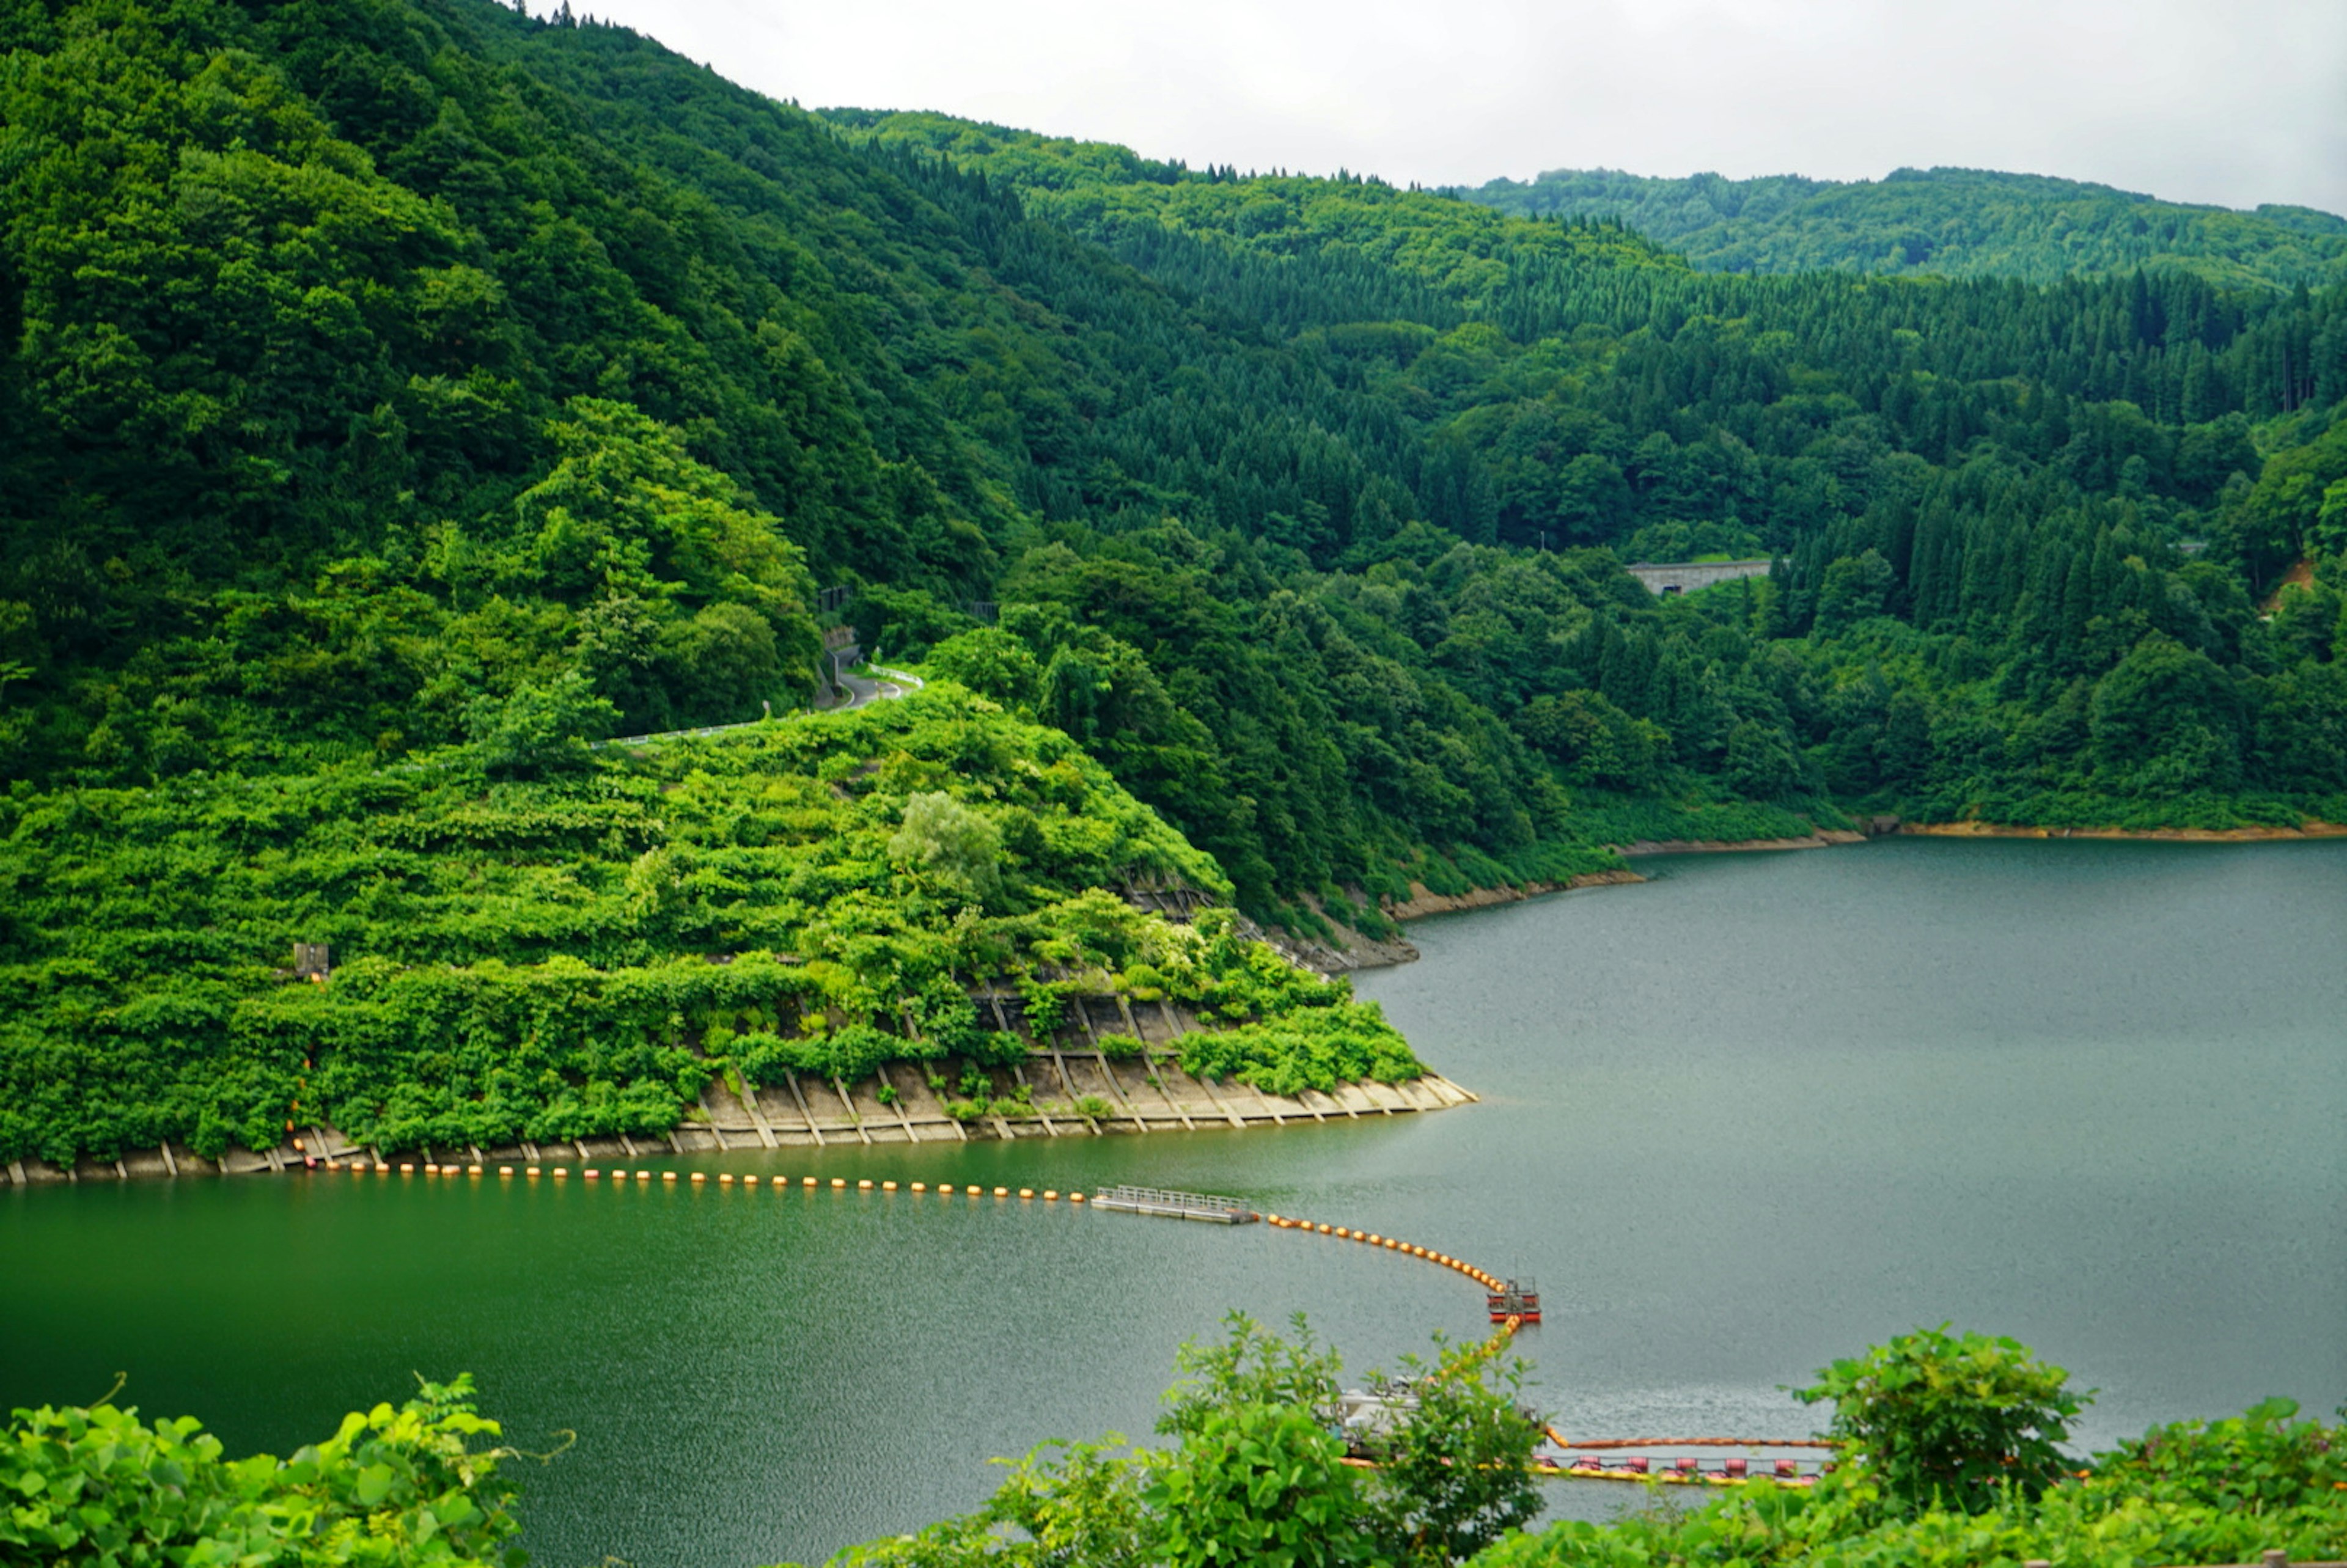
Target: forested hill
(1958, 223)
(390, 375)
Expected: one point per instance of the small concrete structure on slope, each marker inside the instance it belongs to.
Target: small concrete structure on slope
(1694, 575)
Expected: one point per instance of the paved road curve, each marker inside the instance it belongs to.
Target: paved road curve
(862, 690)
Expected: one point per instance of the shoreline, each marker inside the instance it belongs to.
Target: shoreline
(1824, 838)
(1364, 953)
(1424, 901)
(1154, 1094)
(2304, 832)
(1072, 1083)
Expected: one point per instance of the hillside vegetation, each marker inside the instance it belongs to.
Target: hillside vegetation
(1948, 1452)
(1956, 222)
(535, 940)
(387, 381)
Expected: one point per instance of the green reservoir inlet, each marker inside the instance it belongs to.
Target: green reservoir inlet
(1754, 1114)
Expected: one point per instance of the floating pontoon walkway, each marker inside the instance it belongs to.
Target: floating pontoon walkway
(1171, 1204)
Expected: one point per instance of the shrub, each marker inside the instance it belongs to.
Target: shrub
(391, 1489)
(1948, 1421)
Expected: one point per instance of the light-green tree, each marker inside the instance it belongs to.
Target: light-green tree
(950, 845)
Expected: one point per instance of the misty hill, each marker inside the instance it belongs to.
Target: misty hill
(1956, 222)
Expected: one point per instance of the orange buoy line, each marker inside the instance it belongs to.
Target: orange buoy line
(1557, 1438)
(618, 1175)
(1484, 1277)
(1682, 1472)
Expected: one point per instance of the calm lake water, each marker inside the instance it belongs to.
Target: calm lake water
(1754, 1114)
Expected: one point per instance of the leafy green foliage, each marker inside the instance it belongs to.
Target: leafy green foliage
(1248, 1366)
(1451, 1483)
(1953, 1422)
(1455, 1476)
(1314, 1048)
(949, 844)
(1259, 1483)
(391, 1489)
(575, 954)
(2217, 1491)
(1949, 1458)
(1259, 1475)
(1065, 1505)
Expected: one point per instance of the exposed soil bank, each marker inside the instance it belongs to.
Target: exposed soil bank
(1423, 900)
(2147, 834)
(1824, 838)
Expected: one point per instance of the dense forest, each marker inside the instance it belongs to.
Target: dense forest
(1959, 223)
(395, 381)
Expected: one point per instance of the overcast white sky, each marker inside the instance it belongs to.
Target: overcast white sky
(2228, 101)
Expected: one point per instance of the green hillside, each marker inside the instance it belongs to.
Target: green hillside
(1953, 222)
(535, 940)
(398, 379)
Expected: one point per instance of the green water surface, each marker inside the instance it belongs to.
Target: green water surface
(1747, 1117)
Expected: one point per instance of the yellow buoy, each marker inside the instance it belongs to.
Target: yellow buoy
(668, 1175)
(472, 1170)
(1322, 1229)
(700, 1177)
(1002, 1192)
(920, 1186)
(505, 1170)
(865, 1186)
(429, 1169)
(1075, 1197)
(887, 1186)
(1051, 1195)
(561, 1170)
(806, 1181)
(726, 1179)
(837, 1183)
(405, 1168)
(533, 1170)
(643, 1175)
(749, 1181)
(590, 1172)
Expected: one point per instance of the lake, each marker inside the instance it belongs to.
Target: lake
(1755, 1113)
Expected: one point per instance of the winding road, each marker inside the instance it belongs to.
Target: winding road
(863, 691)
